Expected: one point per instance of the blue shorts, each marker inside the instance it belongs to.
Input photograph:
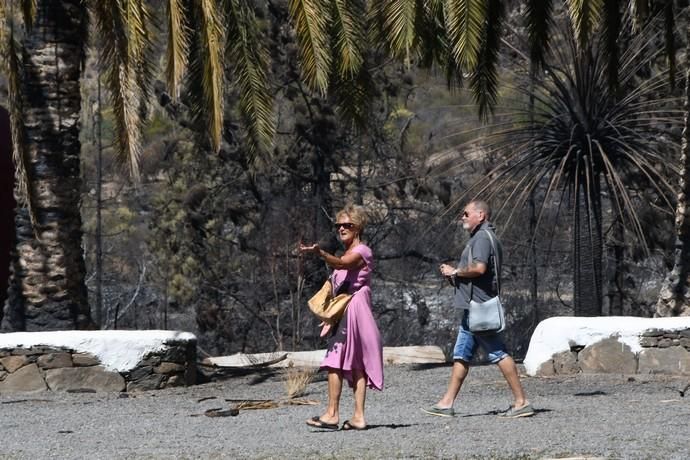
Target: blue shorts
(467, 343)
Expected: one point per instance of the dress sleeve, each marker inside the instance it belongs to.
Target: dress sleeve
(364, 251)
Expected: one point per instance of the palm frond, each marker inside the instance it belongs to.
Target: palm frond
(120, 59)
(399, 21)
(28, 13)
(538, 18)
(142, 55)
(584, 17)
(207, 69)
(376, 26)
(310, 20)
(245, 49)
(639, 11)
(3, 37)
(177, 49)
(431, 33)
(484, 79)
(353, 96)
(611, 31)
(20, 152)
(349, 35)
(669, 25)
(465, 26)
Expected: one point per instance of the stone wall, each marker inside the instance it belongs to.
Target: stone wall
(43, 368)
(662, 352)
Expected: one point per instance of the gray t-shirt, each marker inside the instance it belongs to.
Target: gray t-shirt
(483, 287)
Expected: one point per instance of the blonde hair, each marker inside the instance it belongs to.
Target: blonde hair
(357, 215)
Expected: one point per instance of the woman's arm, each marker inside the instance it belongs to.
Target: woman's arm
(347, 261)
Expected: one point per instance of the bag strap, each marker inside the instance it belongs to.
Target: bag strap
(495, 264)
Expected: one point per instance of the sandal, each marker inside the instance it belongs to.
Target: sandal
(349, 426)
(316, 422)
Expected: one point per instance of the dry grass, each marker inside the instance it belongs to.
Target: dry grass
(297, 379)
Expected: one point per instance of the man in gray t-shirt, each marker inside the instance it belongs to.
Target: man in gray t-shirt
(484, 287)
(476, 278)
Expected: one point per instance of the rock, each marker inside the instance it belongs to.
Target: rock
(652, 333)
(150, 360)
(84, 360)
(150, 382)
(175, 381)
(27, 379)
(3, 374)
(566, 363)
(665, 343)
(12, 363)
(168, 368)
(176, 353)
(84, 378)
(546, 369)
(649, 341)
(608, 355)
(672, 360)
(54, 360)
(140, 372)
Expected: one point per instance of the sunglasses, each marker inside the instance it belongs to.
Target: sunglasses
(345, 225)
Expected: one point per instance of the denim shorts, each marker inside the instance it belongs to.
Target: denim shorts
(467, 343)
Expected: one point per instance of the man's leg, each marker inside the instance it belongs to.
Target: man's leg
(510, 372)
(457, 377)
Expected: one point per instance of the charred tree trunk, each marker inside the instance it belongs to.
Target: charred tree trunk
(48, 290)
(7, 204)
(674, 295)
(587, 252)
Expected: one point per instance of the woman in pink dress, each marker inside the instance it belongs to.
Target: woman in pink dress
(354, 351)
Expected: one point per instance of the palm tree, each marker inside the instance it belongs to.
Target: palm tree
(675, 290)
(464, 35)
(588, 150)
(48, 289)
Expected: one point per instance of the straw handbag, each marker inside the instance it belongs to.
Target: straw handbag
(326, 307)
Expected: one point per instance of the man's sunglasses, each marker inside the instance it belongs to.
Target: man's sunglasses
(345, 225)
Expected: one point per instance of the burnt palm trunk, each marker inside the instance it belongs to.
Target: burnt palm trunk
(673, 297)
(6, 203)
(587, 252)
(48, 290)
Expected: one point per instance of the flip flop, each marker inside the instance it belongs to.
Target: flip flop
(349, 426)
(318, 423)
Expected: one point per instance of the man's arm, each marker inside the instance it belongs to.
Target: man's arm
(474, 270)
(481, 251)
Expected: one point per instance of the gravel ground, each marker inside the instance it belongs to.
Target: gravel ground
(583, 416)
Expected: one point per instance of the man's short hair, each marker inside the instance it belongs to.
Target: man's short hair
(482, 206)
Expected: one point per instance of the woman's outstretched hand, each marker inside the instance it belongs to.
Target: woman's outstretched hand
(313, 248)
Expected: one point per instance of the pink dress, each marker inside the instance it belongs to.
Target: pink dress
(356, 340)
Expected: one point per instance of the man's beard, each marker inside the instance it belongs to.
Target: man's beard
(465, 225)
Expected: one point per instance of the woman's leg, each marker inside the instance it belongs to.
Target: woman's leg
(335, 386)
(359, 387)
